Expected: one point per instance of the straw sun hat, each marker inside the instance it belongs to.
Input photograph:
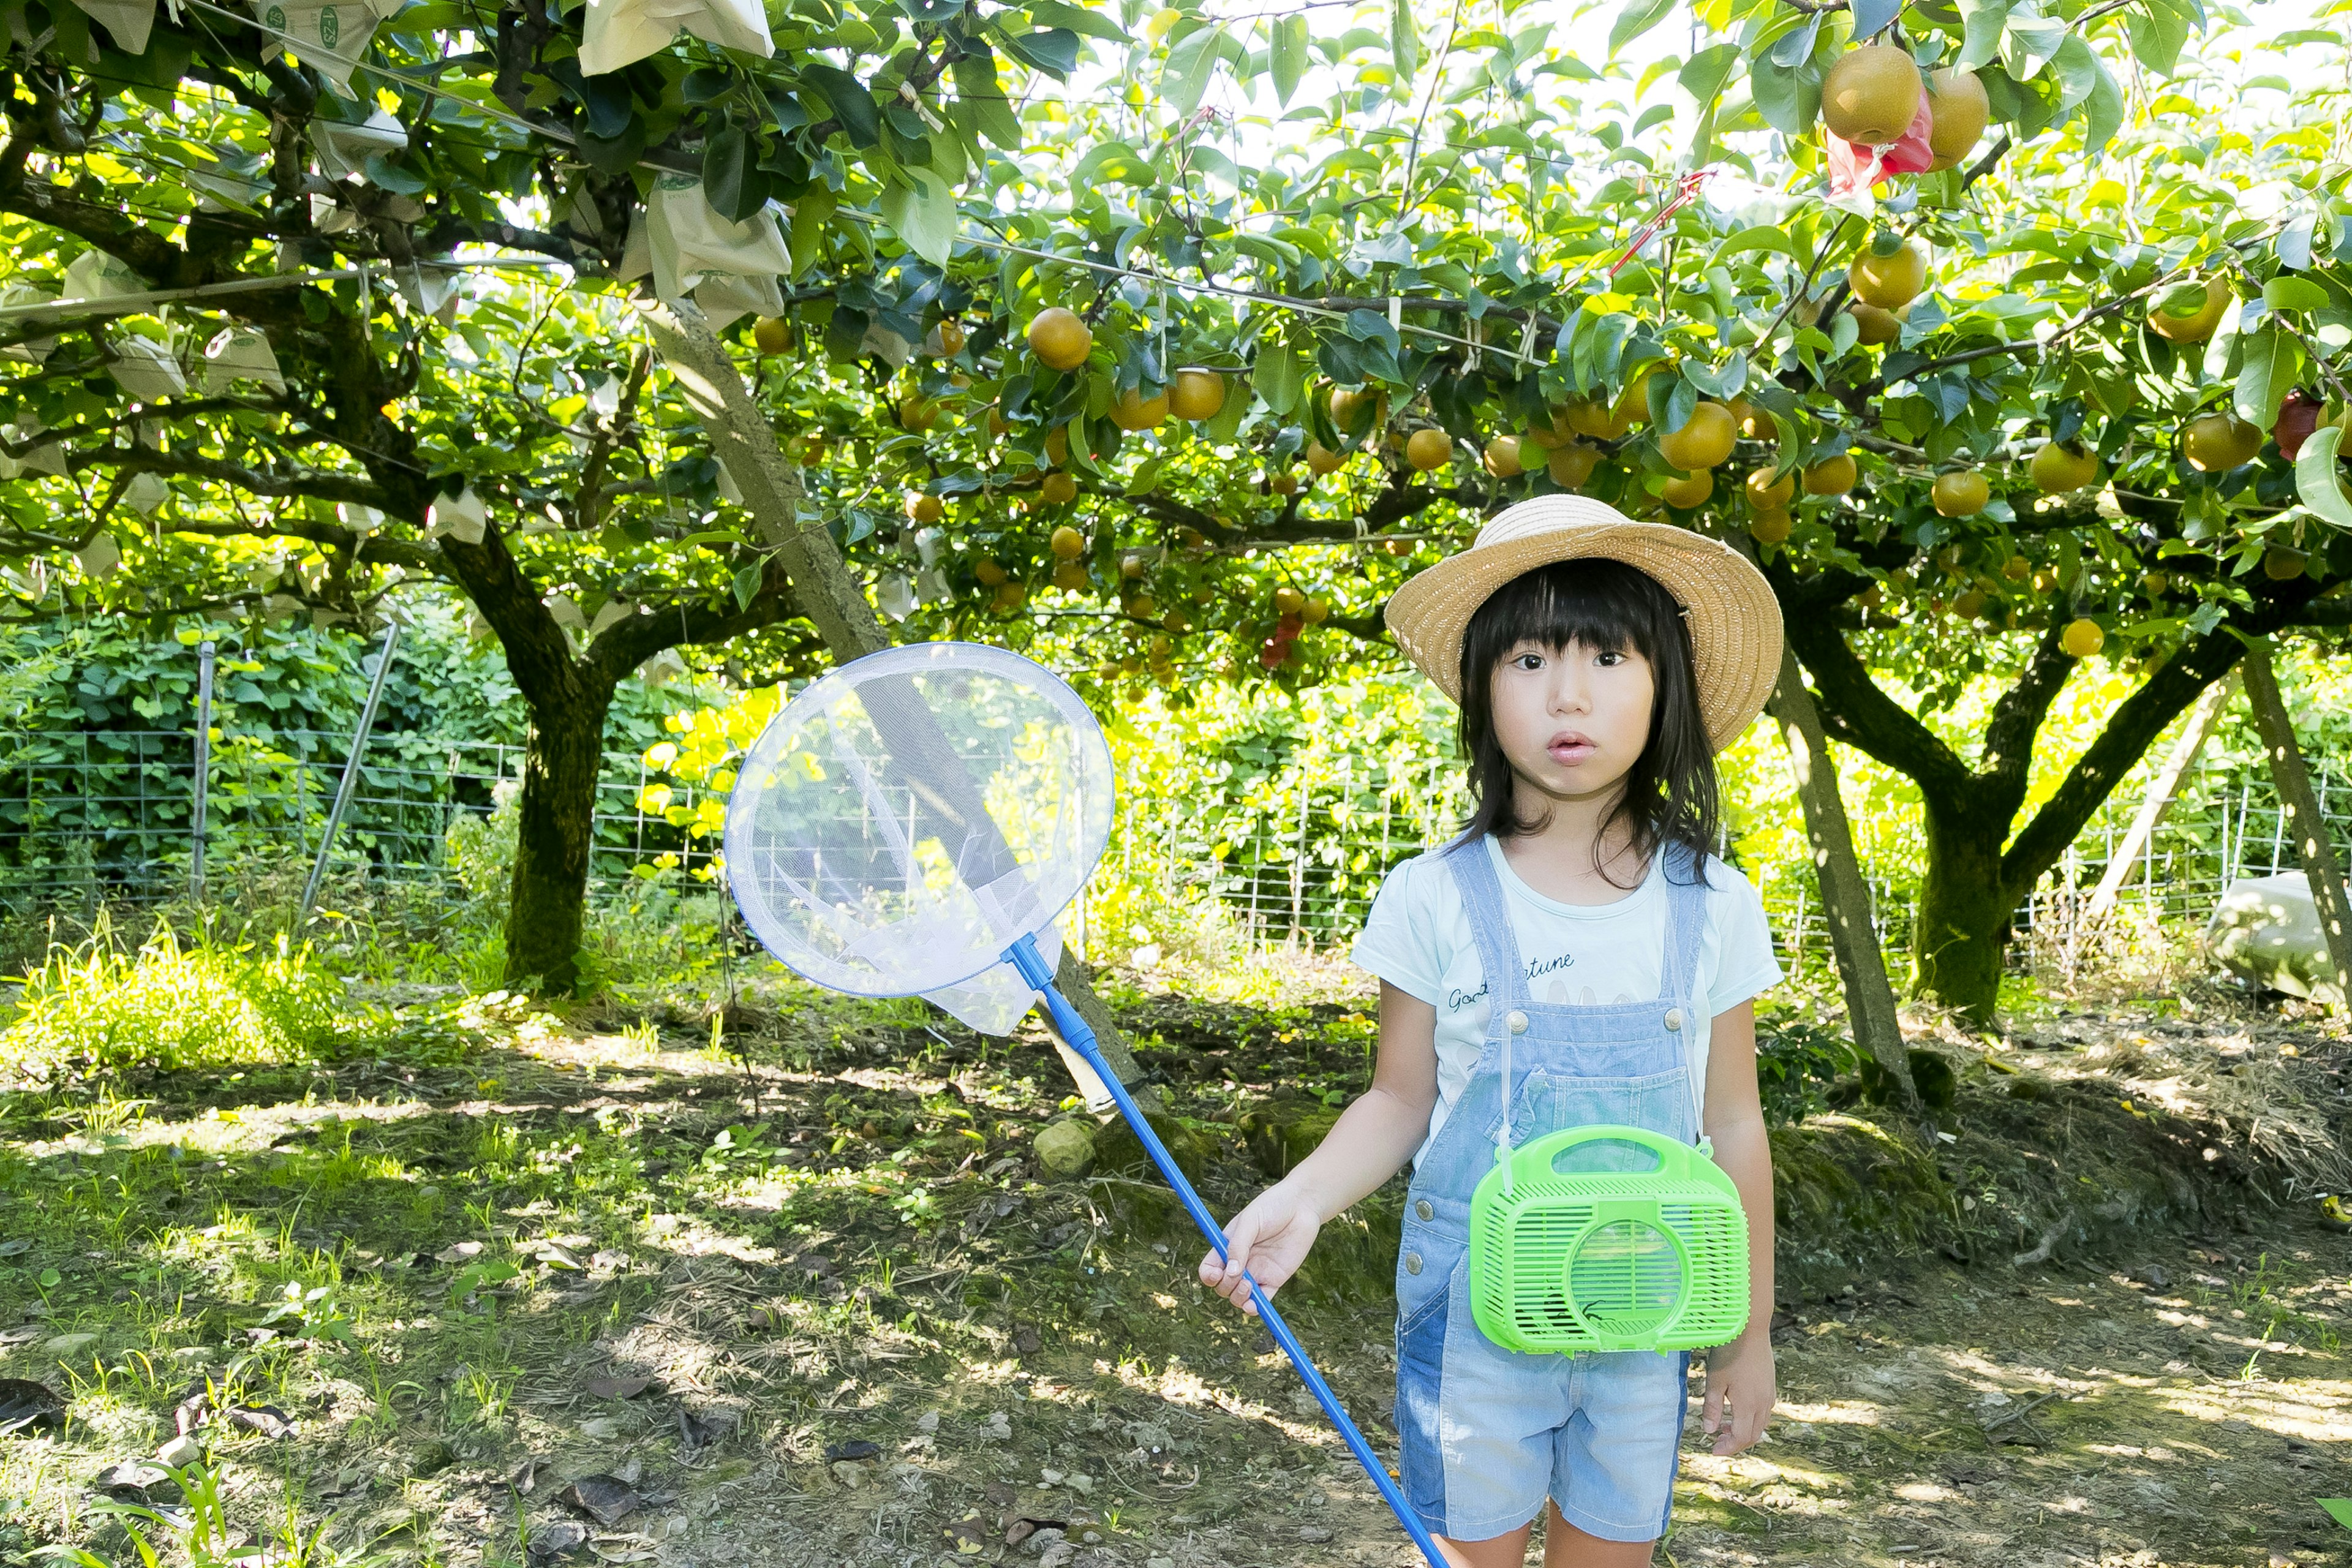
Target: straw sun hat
(1735, 622)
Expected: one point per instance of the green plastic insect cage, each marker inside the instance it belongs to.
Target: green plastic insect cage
(1572, 1251)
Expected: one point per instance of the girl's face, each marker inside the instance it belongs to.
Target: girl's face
(1572, 720)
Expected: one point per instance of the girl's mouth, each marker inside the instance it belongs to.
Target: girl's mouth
(1569, 749)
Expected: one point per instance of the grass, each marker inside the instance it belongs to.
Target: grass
(422, 1242)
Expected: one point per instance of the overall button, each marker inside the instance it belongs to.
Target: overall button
(1412, 1263)
(1424, 1209)
(1675, 1019)
(1518, 1021)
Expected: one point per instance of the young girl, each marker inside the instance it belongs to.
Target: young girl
(1600, 664)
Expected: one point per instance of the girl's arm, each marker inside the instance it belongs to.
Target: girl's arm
(1742, 1372)
(1371, 1142)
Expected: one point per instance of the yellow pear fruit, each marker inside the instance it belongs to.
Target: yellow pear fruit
(1958, 101)
(2215, 443)
(1869, 95)
(1889, 282)
(1131, 411)
(1198, 395)
(1059, 340)
(1705, 439)
(2195, 327)
(1689, 492)
(1831, 476)
(1426, 449)
(2082, 637)
(2061, 470)
(1961, 494)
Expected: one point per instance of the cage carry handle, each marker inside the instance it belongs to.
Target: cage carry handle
(1025, 957)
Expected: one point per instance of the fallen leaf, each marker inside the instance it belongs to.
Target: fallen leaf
(458, 1251)
(699, 1429)
(1022, 1530)
(1026, 1339)
(617, 1387)
(28, 1406)
(11, 1338)
(68, 1344)
(1003, 1494)
(609, 1261)
(131, 1474)
(607, 1499)
(968, 1536)
(855, 1449)
(11, 1248)
(524, 1477)
(557, 1539)
(601, 1426)
(265, 1419)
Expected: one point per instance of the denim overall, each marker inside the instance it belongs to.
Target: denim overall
(1488, 1432)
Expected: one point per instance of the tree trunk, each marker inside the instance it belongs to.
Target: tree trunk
(1965, 903)
(825, 589)
(1845, 895)
(2159, 795)
(561, 763)
(2301, 804)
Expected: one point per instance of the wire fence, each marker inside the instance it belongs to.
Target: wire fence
(89, 816)
(1304, 868)
(103, 816)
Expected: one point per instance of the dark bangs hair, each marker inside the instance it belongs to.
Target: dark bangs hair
(1670, 795)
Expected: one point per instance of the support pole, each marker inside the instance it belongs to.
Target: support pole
(2299, 812)
(350, 771)
(1845, 895)
(204, 654)
(829, 594)
(2159, 795)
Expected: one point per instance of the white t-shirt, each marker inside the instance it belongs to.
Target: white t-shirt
(1417, 937)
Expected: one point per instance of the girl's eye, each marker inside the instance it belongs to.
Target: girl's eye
(1610, 660)
(1527, 660)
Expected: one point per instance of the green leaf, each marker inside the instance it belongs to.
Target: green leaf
(850, 102)
(1279, 375)
(1762, 236)
(979, 92)
(922, 211)
(2339, 1509)
(1982, 21)
(810, 215)
(2265, 374)
(1077, 19)
(2158, 36)
(736, 186)
(1703, 75)
(1184, 74)
(1289, 51)
(1871, 16)
(747, 585)
(1788, 97)
(2316, 482)
(1404, 39)
(2102, 111)
(1638, 17)
(2078, 71)
(2293, 294)
(1054, 50)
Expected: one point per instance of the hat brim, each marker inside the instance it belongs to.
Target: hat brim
(1734, 620)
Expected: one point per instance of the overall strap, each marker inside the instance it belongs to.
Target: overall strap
(1686, 929)
(1490, 925)
(1686, 923)
(1498, 959)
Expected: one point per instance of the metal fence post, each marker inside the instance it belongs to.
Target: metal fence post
(204, 652)
(350, 770)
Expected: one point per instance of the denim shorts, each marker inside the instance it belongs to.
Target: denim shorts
(1489, 1433)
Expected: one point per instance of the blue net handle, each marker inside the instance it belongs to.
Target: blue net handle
(1023, 956)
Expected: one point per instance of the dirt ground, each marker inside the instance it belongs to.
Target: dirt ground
(510, 1288)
